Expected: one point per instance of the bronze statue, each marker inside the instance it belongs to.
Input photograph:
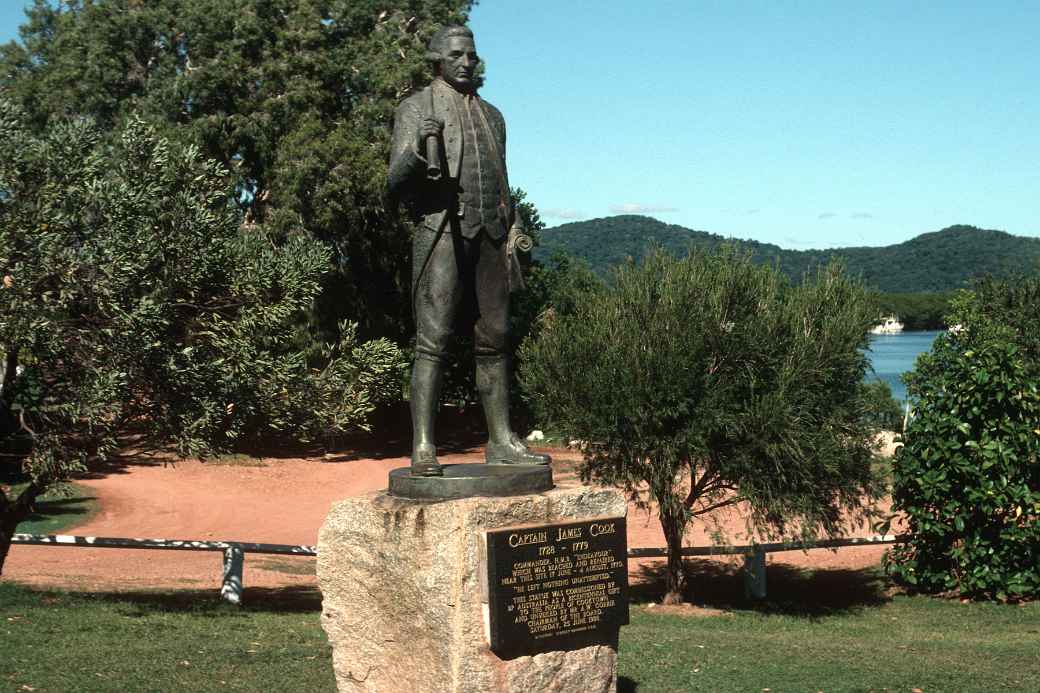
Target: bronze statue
(448, 163)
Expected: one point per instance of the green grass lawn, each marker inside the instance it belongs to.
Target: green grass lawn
(910, 643)
(65, 506)
(825, 631)
(186, 641)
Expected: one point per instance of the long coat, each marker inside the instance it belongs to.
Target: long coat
(431, 201)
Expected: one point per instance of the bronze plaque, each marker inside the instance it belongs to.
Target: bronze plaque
(556, 587)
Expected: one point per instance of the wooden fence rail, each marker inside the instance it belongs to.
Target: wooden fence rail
(234, 553)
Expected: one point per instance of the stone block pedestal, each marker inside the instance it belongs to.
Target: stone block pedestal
(403, 595)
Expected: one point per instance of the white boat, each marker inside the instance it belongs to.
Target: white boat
(889, 325)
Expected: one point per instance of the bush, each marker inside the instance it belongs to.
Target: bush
(883, 412)
(132, 295)
(293, 98)
(967, 478)
(712, 382)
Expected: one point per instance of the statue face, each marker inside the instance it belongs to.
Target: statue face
(459, 63)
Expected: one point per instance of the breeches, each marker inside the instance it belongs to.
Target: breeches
(468, 273)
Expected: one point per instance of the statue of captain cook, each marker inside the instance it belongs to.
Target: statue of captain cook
(447, 163)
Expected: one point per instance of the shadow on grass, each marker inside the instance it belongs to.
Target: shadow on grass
(69, 508)
(626, 685)
(204, 602)
(791, 591)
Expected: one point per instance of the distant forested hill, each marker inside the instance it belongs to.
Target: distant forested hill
(938, 261)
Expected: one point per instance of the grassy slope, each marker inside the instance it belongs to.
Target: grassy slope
(188, 641)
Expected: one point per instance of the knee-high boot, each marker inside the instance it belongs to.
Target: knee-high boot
(426, 390)
(504, 447)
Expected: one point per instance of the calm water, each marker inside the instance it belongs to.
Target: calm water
(894, 354)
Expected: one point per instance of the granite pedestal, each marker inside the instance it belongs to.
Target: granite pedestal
(402, 582)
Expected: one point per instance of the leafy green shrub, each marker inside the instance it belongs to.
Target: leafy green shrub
(131, 295)
(968, 478)
(712, 382)
(883, 412)
(293, 98)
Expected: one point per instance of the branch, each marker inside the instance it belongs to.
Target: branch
(10, 370)
(733, 500)
(25, 426)
(697, 489)
(719, 486)
(211, 308)
(29, 495)
(716, 364)
(14, 510)
(704, 483)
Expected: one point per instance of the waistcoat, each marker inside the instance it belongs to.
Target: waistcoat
(482, 199)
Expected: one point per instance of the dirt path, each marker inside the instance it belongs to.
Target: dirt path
(284, 501)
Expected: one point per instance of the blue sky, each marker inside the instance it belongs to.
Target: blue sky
(805, 124)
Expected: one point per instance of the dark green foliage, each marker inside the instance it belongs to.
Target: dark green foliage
(1010, 308)
(883, 412)
(932, 262)
(555, 287)
(295, 99)
(968, 477)
(711, 381)
(132, 296)
(917, 311)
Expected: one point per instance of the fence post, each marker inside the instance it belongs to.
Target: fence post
(231, 589)
(755, 574)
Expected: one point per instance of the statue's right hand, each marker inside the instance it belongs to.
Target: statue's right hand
(430, 127)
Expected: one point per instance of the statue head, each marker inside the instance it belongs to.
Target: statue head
(454, 57)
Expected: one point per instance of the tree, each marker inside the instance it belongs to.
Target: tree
(551, 288)
(942, 261)
(967, 478)
(711, 382)
(917, 311)
(882, 412)
(293, 97)
(132, 296)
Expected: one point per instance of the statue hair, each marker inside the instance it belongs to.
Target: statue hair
(435, 51)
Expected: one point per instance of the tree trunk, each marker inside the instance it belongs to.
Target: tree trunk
(5, 542)
(675, 576)
(10, 371)
(7, 526)
(12, 512)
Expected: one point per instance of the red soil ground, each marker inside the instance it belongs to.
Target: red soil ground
(282, 501)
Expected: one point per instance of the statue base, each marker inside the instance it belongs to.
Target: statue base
(468, 480)
(404, 585)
